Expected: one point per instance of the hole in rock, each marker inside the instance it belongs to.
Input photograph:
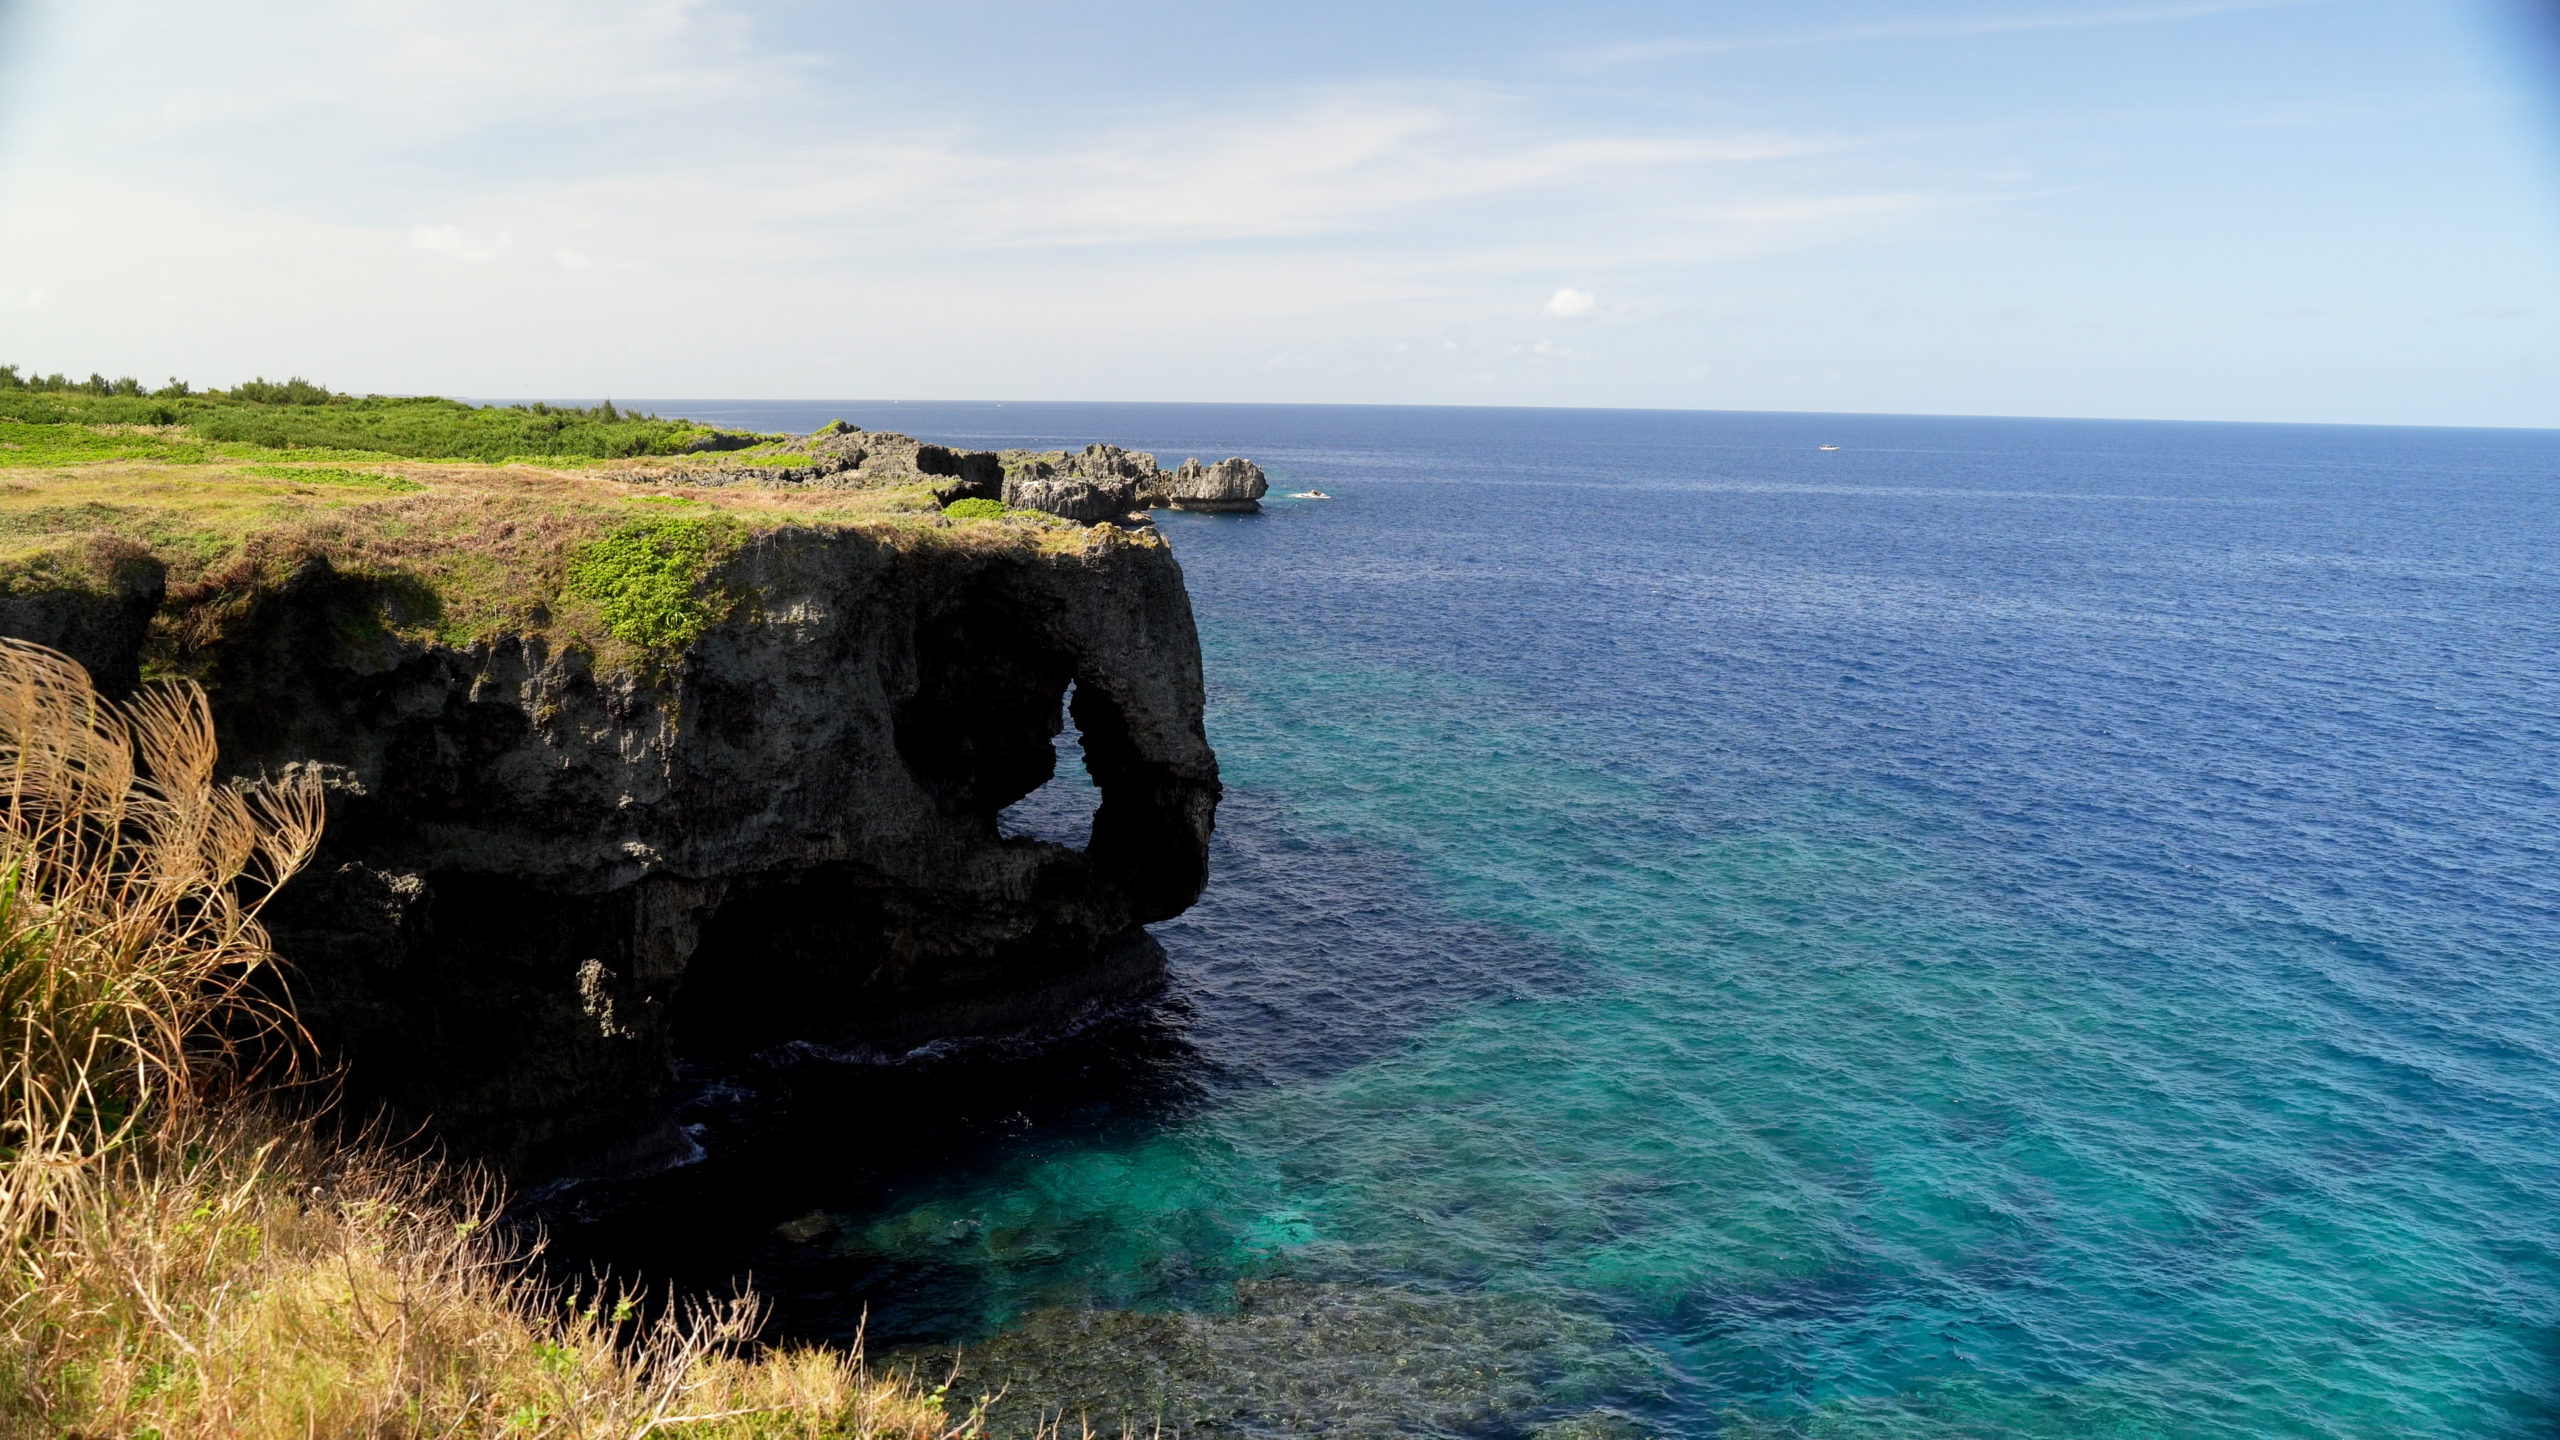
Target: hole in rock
(1061, 810)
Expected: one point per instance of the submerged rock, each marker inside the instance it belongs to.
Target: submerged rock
(1297, 1358)
(1593, 1425)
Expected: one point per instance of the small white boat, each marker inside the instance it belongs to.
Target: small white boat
(1308, 495)
(1830, 447)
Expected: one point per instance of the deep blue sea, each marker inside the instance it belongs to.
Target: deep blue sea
(2007, 927)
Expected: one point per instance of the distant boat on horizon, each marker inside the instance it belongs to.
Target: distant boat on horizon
(1830, 447)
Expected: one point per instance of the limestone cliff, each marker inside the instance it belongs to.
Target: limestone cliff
(544, 881)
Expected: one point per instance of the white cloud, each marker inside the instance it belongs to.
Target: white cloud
(1567, 303)
(461, 244)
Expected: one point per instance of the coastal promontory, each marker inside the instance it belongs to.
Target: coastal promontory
(640, 758)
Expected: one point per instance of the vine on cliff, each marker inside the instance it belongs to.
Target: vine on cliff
(652, 577)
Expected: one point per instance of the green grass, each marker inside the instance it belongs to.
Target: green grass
(338, 475)
(467, 542)
(32, 444)
(976, 509)
(651, 578)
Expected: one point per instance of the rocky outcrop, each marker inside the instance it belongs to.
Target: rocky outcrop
(1097, 483)
(543, 883)
(1085, 501)
(1234, 483)
(1105, 480)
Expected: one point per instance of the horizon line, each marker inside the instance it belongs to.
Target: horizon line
(1447, 405)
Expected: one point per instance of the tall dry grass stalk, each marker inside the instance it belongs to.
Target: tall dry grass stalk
(179, 1259)
(130, 885)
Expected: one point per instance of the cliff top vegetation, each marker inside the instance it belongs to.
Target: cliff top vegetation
(591, 526)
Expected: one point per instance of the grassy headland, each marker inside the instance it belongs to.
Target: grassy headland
(178, 1255)
(591, 526)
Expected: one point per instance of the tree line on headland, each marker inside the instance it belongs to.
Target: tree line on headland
(298, 414)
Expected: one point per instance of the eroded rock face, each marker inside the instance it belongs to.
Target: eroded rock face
(1074, 497)
(1102, 481)
(1234, 483)
(100, 626)
(541, 885)
(1097, 483)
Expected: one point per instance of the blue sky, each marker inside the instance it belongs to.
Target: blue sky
(2341, 210)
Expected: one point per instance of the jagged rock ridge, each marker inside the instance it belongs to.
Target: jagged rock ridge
(1105, 480)
(1100, 482)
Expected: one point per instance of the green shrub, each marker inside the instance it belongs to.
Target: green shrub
(296, 414)
(651, 577)
(974, 509)
(445, 429)
(296, 391)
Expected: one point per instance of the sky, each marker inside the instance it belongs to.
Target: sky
(2300, 210)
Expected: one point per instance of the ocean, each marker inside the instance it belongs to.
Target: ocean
(2006, 927)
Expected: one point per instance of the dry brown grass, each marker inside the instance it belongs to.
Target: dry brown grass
(252, 1281)
(177, 1260)
(129, 890)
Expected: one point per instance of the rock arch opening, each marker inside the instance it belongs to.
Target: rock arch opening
(1061, 810)
(1042, 835)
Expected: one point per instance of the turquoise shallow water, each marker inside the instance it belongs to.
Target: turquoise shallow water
(2005, 928)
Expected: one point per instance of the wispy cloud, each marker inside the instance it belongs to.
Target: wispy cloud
(1353, 166)
(1325, 164)
(1950, 27)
